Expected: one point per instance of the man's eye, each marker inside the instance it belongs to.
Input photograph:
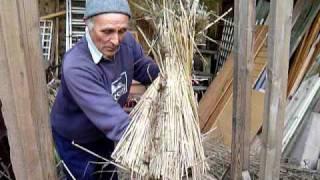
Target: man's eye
(108, 32)
(122, 31)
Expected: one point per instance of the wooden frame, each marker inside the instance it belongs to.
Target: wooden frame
(277, 77)
(23, 91)
(244, 15)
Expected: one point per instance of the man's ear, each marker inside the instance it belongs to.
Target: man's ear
(89, 23)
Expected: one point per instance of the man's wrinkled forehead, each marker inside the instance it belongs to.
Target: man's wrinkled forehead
(111, 20)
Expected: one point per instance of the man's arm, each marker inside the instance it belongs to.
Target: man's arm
(98, 105)
(145, 69)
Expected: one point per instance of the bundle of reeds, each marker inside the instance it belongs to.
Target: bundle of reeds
(163, 139)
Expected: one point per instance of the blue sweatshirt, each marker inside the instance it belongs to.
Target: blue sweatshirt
(89, 102)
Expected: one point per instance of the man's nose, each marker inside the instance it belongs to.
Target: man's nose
(115, 39)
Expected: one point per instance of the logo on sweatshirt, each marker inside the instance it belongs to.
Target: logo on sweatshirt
(119, 86)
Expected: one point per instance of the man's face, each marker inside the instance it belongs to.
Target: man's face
(108, 31)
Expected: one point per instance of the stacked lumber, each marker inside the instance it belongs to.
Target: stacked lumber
(220, 90)
(303, 14)
(298, 106)
(215, 108)
(306, 54)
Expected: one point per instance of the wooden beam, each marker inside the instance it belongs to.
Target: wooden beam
(23, 91)
(244, 15)
(53, 15)
(277, 77)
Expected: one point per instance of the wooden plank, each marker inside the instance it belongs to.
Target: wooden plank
(220, 89)
(297, 108)
(304, 68)
(215, 116)
(259, 64)
(297, 61)
(317, 107)
(53, 15)
(222, 103)
(297, 10)
(23, 91)
(224, 121)
(244, 18)
(304, 57)
(303, 23)
(214, 95)
(314, 68)
(277, 76)
(260, 39)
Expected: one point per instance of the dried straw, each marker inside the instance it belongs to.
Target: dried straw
(219, 159)
(52, 89)
(163, 139)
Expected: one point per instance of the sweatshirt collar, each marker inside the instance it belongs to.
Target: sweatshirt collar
(95, 53)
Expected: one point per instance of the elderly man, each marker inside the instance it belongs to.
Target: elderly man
(96, 77)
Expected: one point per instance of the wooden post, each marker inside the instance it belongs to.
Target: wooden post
(23, 91)
(277, 77)
(244, 15)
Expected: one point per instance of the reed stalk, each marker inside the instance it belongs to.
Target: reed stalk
(163, 140)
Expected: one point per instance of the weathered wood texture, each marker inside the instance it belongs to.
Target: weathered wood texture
(23, 91)
(244, 18)
(309, 11)
(213, 98)
(220, 90)
(297, 10)
(277, 76)
(304, 55)
(314, 68)
(317, 107)
(223, 125)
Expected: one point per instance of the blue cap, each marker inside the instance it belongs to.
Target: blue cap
(96, 7)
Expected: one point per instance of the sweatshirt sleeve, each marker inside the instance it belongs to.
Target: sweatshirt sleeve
(145, 69)
(95, 101)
